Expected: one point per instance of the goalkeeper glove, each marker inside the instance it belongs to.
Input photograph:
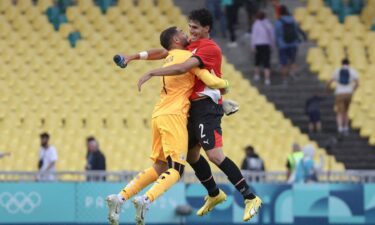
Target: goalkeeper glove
(225, 90)
(230, 107)
(120, 61)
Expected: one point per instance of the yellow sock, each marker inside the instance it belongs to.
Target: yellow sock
(139, 182)
(165, 181)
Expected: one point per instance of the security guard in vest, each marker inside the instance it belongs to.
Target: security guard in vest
(293, 159)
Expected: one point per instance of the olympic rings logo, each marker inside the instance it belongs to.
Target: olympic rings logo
(20, 202)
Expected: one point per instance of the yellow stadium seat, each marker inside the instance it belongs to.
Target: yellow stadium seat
(31, 13)
(85, 6)
(43, 5)
(5, 28)
(72, 13)
(323, 14)
(145, 6)
(5, 5)
(11, 13)
(125, 5)
(314, 6)
(165, 5)
(300, 13)
(24, 5)
(316, 31)
(307, 23)
(113, 14)
(93, 14)
(65, 29)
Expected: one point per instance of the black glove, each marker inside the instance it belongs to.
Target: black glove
(120, 61)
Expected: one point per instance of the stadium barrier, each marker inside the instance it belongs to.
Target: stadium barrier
(76, 201)
(84, 203)
(351, 176)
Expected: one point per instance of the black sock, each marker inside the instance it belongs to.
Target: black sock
(235, 177)
(203, 172)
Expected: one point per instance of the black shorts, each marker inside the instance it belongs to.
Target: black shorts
(263, 56)
(204, 124)
(314, 116)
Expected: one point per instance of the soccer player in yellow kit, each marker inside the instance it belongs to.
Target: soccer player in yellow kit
(169, 130)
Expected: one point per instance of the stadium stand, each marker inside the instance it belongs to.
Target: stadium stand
(350, 39)
(334, 41)
(73, 92)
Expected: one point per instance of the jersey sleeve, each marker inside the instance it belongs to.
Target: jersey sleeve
(209, 79)
(207, 55)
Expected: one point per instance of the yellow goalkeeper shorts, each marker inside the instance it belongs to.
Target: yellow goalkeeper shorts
(169, 138)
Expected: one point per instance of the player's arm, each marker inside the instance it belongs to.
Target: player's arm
(153, 54)
(211, 80)
(176, 69)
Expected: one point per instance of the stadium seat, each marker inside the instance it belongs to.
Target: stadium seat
(43, 5)
(23, 5)
(314, 6)
(5, 5)
(85, 6)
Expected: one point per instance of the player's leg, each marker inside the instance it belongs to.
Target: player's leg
(202, 170)
(229, 168)
(199, 164)
(211, 141)
(174, 138)
(142, 180)
(162, 184)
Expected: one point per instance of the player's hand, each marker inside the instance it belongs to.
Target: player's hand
(121, 60)
(225, 90)
(143, 80)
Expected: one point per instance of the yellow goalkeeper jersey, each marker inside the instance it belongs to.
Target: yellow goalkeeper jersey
(176, 90)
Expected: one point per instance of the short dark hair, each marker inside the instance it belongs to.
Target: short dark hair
(284, 11)
(44, 135)
(203, 16)
(249, 148)
(345, 61)
(260, 15)
(166, 37)
(90, 138)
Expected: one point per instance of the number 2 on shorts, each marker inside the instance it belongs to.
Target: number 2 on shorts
(201, 126)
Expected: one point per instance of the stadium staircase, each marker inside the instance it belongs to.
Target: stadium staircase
(357, 150)
(75, 90)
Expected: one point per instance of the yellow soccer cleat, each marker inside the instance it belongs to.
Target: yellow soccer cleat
(251, 208)
(211, 202)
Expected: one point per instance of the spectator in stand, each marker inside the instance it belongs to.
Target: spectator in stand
(347, 82)
(251, 7)
(287, 40)
(262, 41)
(214, 6)
(47, 159)
(293, 159)
(312, 110)
(231, 11)
(277, 8)
(252, 161)
(95, 159)
(306, 170)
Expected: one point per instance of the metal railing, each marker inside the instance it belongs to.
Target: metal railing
(349, 176)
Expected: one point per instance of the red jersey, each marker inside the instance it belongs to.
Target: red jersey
(209, 55)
